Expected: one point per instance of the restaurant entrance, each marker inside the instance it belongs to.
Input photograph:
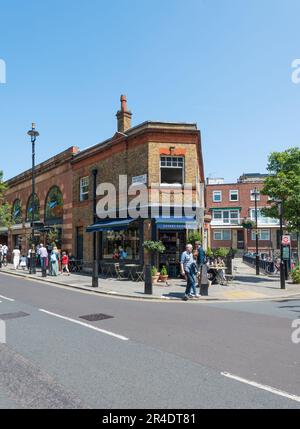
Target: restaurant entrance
(174, 242)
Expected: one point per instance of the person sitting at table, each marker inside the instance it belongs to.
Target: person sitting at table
(122, 253)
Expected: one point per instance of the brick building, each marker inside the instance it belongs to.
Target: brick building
(158, 155)
(230, 204)
(52, 202)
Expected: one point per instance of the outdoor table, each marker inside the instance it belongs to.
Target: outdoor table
(107, 268)
(132, 270)
(215, 270)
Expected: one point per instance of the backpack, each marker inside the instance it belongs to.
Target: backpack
(53, 257)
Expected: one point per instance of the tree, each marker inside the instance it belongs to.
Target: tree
(283, 183)
(5, 208)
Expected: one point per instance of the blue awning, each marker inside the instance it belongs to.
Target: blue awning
(176, 223)
(109, 224)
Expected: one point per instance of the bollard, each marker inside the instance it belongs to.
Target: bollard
(148, 280)
(203, 281)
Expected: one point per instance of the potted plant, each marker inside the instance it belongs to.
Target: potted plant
(154, 247)
(163, 274)
(154, 274)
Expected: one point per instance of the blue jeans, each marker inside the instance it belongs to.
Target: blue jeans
(191, 284)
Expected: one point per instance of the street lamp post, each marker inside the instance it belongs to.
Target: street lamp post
(95, 276)
(255, 194)
(33, 135)
(282, 270)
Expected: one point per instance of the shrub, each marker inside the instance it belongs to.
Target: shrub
(194, 236)
(295, 274)
(164, 271)
(222, 252)
(153, 271)
(209, 252)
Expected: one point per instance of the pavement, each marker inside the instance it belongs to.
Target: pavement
(144, 354)
(245, 286)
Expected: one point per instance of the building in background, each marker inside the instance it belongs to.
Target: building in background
(232, 203)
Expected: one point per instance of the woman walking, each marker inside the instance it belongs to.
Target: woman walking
(54, 257)
(16, 254)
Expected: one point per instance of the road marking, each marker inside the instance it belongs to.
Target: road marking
(8, 299)
(262, 386)
(112, 334)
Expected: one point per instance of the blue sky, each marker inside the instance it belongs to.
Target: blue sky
(225, 64)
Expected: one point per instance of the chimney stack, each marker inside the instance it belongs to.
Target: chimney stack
(123, 116)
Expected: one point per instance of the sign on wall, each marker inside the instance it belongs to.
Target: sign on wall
(139, 179)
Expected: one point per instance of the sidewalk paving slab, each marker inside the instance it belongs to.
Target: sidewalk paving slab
(245, 286)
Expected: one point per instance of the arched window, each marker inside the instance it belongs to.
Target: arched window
(36, 203)
(16, 214)
(54, 206)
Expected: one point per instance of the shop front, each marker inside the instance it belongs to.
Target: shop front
(173, 233)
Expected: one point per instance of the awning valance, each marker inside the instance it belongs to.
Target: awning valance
(109, 224)
(176, 223)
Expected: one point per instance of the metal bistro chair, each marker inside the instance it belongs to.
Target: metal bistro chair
(139, 275)
(119, 273)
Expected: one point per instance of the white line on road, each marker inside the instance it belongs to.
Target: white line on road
(112, 334)
(262, 386)
(8, 299)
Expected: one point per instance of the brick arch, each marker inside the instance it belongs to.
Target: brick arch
(28, 218)
(55, 213)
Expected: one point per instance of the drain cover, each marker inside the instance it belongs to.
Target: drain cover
(13, 315)
(95, 317)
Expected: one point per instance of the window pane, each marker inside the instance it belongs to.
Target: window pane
(171, 176)
(226, 234)
(217, 214)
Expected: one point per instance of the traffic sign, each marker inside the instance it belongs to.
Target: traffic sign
(286, 240)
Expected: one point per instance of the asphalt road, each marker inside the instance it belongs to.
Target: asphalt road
(147, 355)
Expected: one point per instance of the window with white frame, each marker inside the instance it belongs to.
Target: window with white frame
(233, 195)
(217, 196)
(84, 188)
(263, 234)
(252, 195)
(222, 234)
(231, 217)
(261, 218)
(172, 170)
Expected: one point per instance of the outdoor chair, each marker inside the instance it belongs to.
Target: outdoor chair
(139, 276)
(120, 274)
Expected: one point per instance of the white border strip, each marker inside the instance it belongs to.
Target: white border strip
(262, 386)
(8, 299)
(112, 334)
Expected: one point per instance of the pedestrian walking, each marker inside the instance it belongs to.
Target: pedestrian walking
(188, 268)
(23, 262)
(54, 258)
(16, 257)
(65, 263)
(43, 257)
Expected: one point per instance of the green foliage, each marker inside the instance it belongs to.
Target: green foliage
(164, 271)
(5, 208)
(284, 184)
(154, 271)
(209, 252)
(154, 246)
(248, 223)
(222, 252)
(295, 274)
(52, 237)
(194, 236)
